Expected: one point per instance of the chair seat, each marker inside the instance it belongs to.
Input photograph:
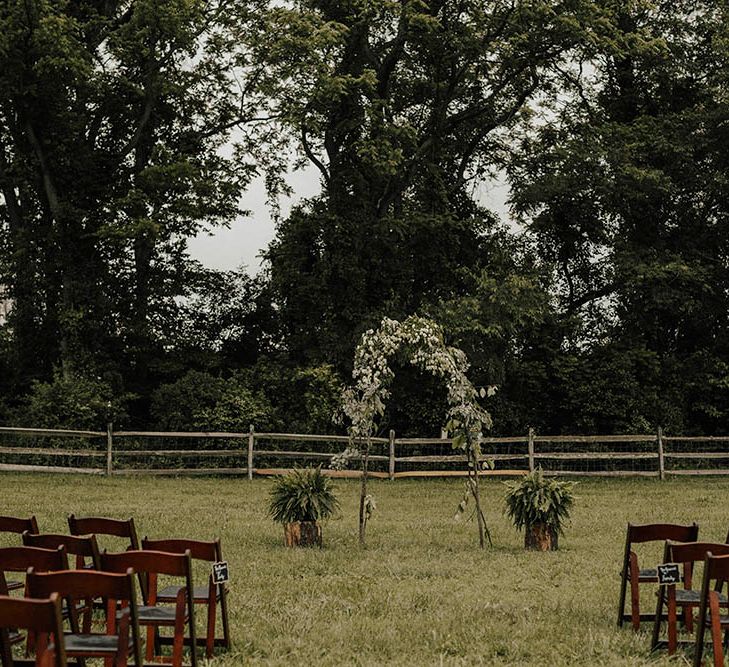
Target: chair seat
(199, 593)
(93, 644)
(694, 597)
(156, 615)
(723, 619)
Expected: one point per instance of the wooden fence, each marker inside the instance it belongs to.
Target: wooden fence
(113, 452)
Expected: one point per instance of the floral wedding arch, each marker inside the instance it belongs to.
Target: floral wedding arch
(422, 343)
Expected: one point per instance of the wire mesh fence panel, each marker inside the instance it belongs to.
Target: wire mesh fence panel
(696, 455)
(434, 455)
(622, 455)
(277, 451)
(179, 453)
(52, 450)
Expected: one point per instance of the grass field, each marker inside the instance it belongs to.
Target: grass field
(422, 593)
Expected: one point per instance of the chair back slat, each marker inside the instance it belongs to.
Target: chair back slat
(19, 559)
(691, 552)
(28, 614)
(80, 584)
(199, 549)
(172, 564)
(94, 525)
(14, 524)
(80, 546)
(662, 531)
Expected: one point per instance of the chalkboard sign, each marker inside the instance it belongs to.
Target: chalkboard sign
(220, 572)
(668, 573)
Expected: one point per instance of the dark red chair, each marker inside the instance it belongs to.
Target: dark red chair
(716, 569)
(14, 524)
(633, 574)
(685, 553)
(19, 559)
(121, 528)
(84, 548)
(120, 642)
(153, 615)
(42, 618)
(210, 594)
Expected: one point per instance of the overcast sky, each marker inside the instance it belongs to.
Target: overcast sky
(243, 242)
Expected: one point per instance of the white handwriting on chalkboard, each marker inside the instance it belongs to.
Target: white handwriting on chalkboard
(668, 573)
(220, 572)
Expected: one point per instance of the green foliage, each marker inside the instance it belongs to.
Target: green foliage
(201, 401)
(302, 495)
(536, 499)
(72, 402)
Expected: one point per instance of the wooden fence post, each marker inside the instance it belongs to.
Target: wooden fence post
(392, 454)
(661, 461)
(531, 449)
(251, 440)
(109, 447)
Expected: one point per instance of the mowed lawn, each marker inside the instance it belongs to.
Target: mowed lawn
(422, 593)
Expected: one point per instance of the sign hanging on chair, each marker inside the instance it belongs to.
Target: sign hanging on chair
(668, 574)
(220, 572)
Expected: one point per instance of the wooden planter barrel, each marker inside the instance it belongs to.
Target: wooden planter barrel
(302, 534)
(539, 537)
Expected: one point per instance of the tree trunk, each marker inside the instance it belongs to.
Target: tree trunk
(477, 500)
(540, 537)
(302, 534)
(363, 493)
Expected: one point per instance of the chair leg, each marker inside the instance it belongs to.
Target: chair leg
(716, 630)
(634, 593)
(149, 648)
(623, 591)
(226, 623)
(672, 621)
(178, 645)
(88, 615)
(660, 600)
(210, 640)
(688, 618)
(700, 631)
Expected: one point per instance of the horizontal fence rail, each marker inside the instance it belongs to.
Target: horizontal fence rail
(111, 452)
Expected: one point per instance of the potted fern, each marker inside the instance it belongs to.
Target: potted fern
(540, 506)
(298, 501)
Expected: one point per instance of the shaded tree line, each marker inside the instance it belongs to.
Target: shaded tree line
(129, 126)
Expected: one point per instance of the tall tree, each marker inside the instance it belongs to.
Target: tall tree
(624, 190)
(402, 107)
(113, 116)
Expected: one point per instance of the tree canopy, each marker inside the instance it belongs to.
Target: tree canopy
(128, 127)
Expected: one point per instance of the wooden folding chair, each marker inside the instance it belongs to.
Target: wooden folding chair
(121, 528)
(19, 559)
(151, 614)
(632, 573)
(686, 554)
(40, 617)
(83, 547)
(120, 642)
(211, 594)
(14, 524)
(716, 569)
